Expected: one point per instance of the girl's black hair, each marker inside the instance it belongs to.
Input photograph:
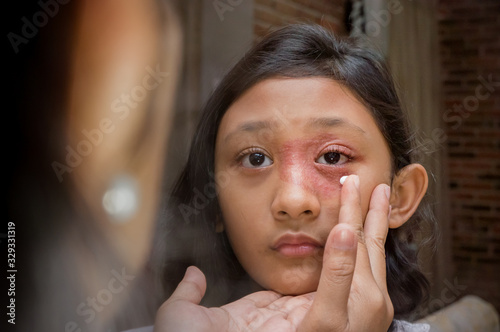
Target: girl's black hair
(294, 51)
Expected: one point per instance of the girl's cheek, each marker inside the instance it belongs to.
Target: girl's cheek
(328, 182)
(319, 179)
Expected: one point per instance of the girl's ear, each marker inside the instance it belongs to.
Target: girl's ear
(408, 189)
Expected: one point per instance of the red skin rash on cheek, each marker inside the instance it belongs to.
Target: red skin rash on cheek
(297, 165)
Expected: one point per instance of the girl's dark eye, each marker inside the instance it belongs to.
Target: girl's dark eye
(256, 159)
(332, 158)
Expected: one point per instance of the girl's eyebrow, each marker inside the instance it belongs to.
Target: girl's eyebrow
(251, 126)
(324, 122)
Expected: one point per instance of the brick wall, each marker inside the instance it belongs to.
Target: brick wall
(274, 13)
(469, 33)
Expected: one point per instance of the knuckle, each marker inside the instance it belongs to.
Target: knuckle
(377, 303)
(357, 296)
(377, 243)
(360, 233)
(341, 270)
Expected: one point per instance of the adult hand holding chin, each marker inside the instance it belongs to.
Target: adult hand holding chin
(260, 311)
(351, 296)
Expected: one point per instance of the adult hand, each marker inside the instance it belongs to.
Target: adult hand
(262, 311)
(352, 292)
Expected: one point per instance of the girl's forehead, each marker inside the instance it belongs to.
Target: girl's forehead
(289, 103)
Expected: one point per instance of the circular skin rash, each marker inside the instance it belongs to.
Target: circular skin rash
(296, 164)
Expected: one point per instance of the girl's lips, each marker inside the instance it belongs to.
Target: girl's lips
(297, 245)
(298, 250)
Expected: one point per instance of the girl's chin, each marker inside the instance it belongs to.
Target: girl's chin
(295, 291)
(296, 286)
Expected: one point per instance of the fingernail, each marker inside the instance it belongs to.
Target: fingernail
(344, 239)
(342, 179)
(387, 190)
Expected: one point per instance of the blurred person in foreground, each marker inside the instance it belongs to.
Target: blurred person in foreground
(94, 113)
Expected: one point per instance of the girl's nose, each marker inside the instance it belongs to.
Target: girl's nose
(295, 201)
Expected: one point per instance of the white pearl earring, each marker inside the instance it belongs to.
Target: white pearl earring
(121, 200)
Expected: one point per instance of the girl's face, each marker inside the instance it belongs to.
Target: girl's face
(281, 149)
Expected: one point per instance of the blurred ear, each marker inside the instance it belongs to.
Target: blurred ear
(408, 189)
(122, 47)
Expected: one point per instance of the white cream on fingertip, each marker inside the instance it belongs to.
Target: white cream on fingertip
(342, 179)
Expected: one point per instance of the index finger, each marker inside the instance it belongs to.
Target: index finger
(351, 214)
(376, 229)
(350, 205)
